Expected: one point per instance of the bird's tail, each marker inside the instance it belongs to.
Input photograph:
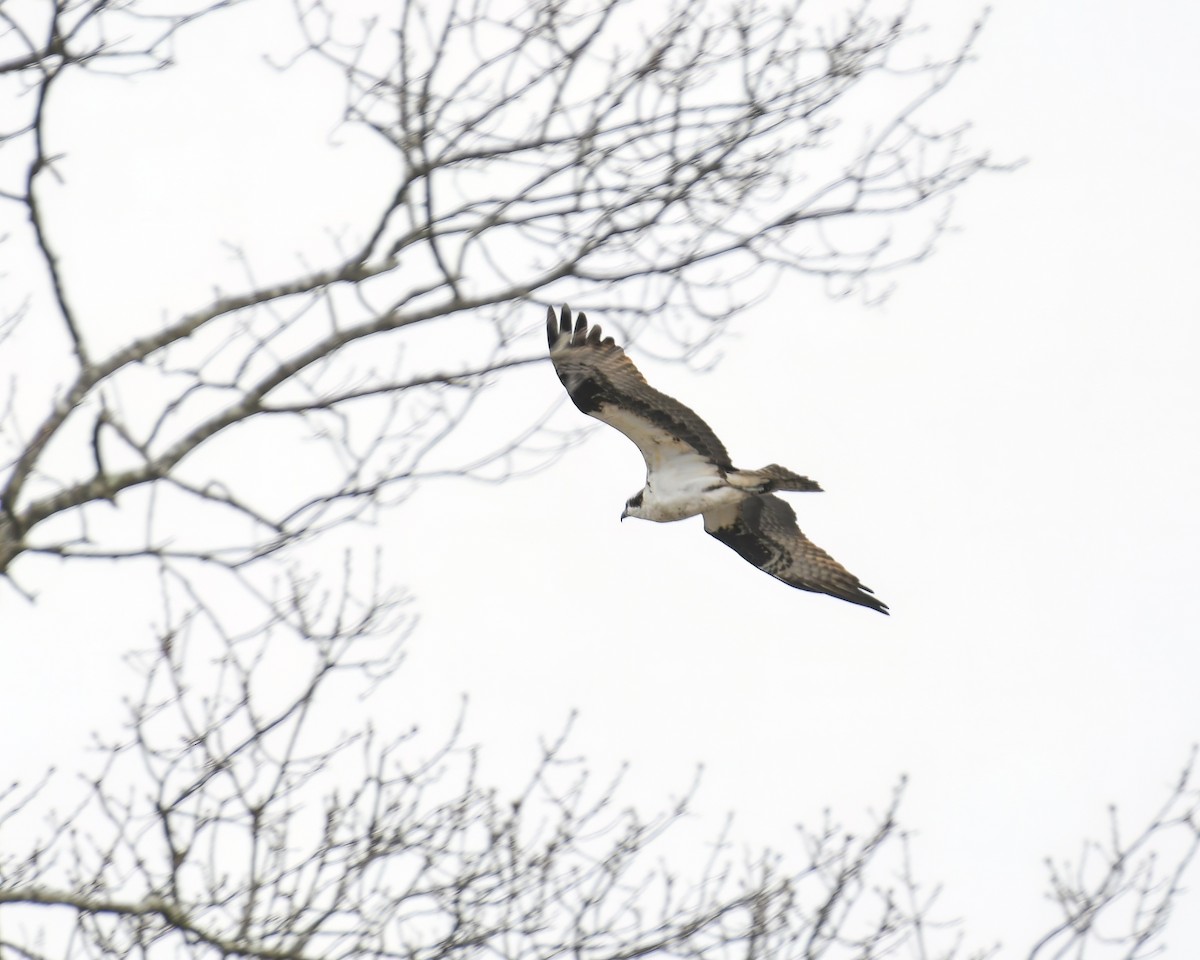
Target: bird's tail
(769, 479)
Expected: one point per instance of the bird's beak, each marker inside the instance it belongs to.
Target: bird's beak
(624, 514)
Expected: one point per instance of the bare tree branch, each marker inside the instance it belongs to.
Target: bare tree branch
(249, 810)
(232, 819)
(1119, 895)
(653, 163)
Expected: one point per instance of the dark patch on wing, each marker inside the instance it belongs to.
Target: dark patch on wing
(763, 530)
(596, 371)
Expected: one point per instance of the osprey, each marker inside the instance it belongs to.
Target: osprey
(688, 471)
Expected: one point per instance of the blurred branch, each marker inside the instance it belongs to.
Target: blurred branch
(1120, 894)
(251, 808)
(238, 818)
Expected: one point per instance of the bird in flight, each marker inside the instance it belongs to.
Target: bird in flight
(688, 471)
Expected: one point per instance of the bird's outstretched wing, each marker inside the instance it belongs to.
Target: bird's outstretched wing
(763, 530)
(604, 383)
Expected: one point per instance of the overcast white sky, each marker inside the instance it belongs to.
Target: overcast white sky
(1010, 452)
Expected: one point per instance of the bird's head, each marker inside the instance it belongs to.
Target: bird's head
(633, 506)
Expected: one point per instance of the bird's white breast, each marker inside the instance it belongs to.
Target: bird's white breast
(684, 485)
